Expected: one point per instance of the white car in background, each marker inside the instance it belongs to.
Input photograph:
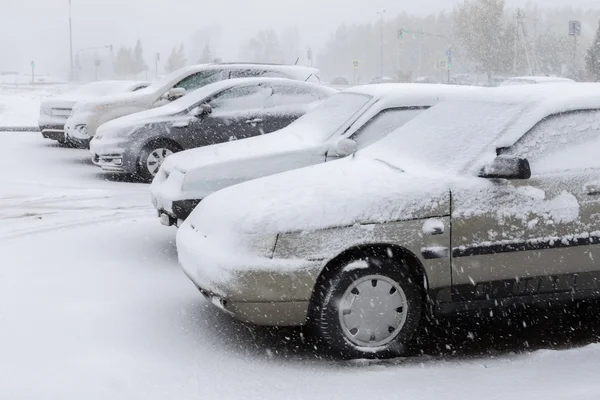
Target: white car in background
(535, 80)
(55, 111)
(88, 116)
(347, 121)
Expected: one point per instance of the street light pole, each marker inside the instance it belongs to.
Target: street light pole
(382, 21)
(70, 43)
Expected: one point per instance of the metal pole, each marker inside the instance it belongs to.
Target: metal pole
(420, 57)
(448, 65)
(381, 44)
(70, 42)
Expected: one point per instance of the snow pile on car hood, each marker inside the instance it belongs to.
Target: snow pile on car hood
(217, 155)
(340, 193)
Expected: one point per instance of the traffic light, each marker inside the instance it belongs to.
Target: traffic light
(400, 33)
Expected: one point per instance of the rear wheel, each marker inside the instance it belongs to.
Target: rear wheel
(152, 157)
(370, 309)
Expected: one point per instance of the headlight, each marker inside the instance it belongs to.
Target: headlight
(101, 107)
(82, 129)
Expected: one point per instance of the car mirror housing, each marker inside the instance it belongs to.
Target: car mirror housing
(343, 147)
(507, 167)
(202, 110)
(175, 93)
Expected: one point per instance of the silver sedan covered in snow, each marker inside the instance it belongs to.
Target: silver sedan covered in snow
(348, 121)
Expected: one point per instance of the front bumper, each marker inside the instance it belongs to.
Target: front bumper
(178, 212)
(53, 132)
(114, 155)
(253, 289)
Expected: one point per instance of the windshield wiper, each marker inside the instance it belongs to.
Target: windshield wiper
(389, 165)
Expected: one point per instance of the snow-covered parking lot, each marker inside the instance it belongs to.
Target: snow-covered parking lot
(93, 305)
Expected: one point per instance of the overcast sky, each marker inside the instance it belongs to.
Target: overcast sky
(38, 29)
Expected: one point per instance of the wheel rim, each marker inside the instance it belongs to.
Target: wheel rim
(373, 311)
(156, 158)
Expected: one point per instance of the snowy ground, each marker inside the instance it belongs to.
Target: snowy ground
(20, 105)
(94, 306)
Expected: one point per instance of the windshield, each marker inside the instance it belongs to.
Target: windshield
(161, 82)
(330, 116)
(447, 137)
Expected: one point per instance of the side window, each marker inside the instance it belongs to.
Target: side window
(286, 95)
(241, 98)
(561, 142)
(199, 79)
(245, 73)
(255, 73)
(383, 124)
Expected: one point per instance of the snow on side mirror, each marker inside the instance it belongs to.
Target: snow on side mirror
(175, 93)
(201, 111)
(507, 167)
(343, 147)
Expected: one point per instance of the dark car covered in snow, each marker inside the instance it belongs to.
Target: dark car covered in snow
(224, 111)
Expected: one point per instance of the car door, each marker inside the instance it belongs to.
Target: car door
(234, 116)
(539, 236)
(287, 104)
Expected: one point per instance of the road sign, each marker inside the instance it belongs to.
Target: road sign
(574, 28)
(449, 52)
(443, 64)
(355, 64)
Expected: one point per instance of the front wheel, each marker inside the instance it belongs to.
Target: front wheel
(371, 309)
(152, 157)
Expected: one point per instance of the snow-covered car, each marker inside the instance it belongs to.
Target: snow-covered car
(224, 111)
(347, 121)
(534, 80)
(89, 115)
(55, 111)
(483, 203)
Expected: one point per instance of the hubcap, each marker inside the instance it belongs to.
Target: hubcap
(373, 311)
(156, 158)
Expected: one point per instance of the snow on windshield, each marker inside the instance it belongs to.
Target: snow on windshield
(447, 137)
(326, 119)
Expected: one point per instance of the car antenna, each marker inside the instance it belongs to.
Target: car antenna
(297, 59)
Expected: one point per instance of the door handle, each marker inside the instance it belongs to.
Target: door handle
(592, 188)
(254, 121)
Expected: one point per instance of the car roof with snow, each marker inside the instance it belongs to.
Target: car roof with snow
(535, 79)
(297, 72)
(415, 94)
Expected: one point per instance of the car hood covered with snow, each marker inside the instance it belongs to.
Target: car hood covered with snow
(341, 193)
(141, 97)
(154, 115)
(226, 155)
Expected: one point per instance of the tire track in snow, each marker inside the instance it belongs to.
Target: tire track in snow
(28, 231)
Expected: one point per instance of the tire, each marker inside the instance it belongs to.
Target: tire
(387, 316)
(152, 157)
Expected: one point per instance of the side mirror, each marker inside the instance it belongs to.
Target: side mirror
(202, 110)
(507, 167)
(343, 147)
(175, 93)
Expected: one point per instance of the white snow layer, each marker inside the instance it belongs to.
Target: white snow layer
(97, 308)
